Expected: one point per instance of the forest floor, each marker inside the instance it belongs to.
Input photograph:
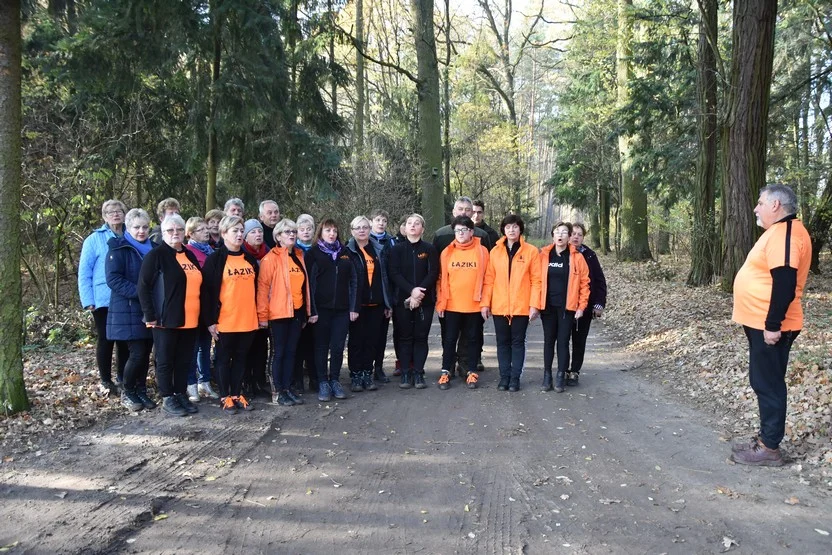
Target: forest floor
(634, 459)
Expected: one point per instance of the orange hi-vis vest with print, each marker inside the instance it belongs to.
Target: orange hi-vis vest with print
(238, 312)
(193, 275)
(461, 276)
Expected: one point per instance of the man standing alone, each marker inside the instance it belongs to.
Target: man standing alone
(767, 293)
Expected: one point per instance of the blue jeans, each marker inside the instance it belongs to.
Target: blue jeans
(511, 345)
(201, 362)
(285, 336)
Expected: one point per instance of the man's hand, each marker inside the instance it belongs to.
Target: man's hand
(771, 337)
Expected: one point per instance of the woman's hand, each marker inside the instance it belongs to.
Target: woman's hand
(418, 294)
(533, 313)
(579, 314)
(212, 329)
(353, 316)
(313, 319)
(387, 313)
(263, 325)
(486, 313)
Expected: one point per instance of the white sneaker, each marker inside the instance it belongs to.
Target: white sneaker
(205, 390)
(193, 394)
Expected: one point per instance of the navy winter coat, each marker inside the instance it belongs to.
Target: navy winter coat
(124, 318)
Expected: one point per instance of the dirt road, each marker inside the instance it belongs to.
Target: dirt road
(612, 466)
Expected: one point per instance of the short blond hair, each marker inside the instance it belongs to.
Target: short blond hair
(192, 224)
(227, 222)
(215, 214)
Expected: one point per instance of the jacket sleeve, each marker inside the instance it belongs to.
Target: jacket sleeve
(116, 278)
(148, 275)
(433, 268)
(536, 280)
(355, 299)
(441, 300)
(86, 270)
(488, 284)
(312, 272)
(583, 275)
(264, 282)
(209, 294)
(598, 283)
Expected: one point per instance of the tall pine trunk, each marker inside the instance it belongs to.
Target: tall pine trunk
(358, 122)
(751, 68)
(12, 390)
(213, 156)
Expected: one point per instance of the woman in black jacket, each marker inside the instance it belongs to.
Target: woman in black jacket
(413, 267)
(334, 286)
(169, 283)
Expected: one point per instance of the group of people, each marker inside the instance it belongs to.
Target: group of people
(270, 291)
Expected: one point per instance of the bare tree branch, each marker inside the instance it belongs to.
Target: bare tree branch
(355, 44)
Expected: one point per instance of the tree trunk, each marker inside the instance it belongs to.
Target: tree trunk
(333, 85)
(430, 139)
(702, 234)
(635, 243)
(595, 220)
(446, 151)
(358, 122)
(213, 156)
(605, 220)
(751, 68)
(12, 390)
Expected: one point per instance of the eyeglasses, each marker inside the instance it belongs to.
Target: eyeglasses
(290, 231)
(114, 212)
(173, 230)
(361, 228)
(561, 233)
(461, 230)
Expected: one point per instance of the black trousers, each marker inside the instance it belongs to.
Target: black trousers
(466, 325)
(104, 348)
(232, 355)
(364, 338)
(174, 355)
(285, 336)
(557, 328)
(413, 328)
(138, 361)
(580, 331)
(305, 357)
(256, 362)
(461, 354)
(767, 365)
(381, 346)
(330, 338)
(511, 345)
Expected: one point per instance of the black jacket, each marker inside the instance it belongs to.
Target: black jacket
(444, 236)
(333, 283)
(412, 265)
(212, 274)
(361, 271)
(493, 236)
(162, 285)
(597, 281)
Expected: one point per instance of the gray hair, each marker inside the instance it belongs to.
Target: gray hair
(306, 219)
(111, 203)
(466, 200)
(234, 202)
(264, 203)
(784, 194)
(176, 220)
(135, 214)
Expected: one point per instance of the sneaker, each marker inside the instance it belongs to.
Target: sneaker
(171, 406)
(242, 403)
(107, 389)
(337, 390)
(758, 455)
(294, 396)
(419, 380)
(367, 381)
(282, 398)
(119, 381)
(193, 393)
(148, 403)
(572, 379)
(324, 392)
(514, 385)
(228, 406)
(356, 382)
(131, 401)
(405, 381)
(185, 401)
(472, 380)
(445, 380)
(503, 385)
(205, 390)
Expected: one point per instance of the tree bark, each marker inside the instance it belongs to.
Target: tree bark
(12, 390)
(702, 234)
(446, 151)
(635, 243)
(751, 69)
(213, 156)
(430, 139)
(358, 126)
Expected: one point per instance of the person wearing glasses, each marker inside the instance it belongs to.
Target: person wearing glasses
(370, 260)
(95, 295)
(462, 273)
(169, 285)
(564, 296)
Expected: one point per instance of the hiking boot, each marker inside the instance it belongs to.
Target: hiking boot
(758, 455)
(131, 401)
(405, 381)
(193, 393)
(337, 390)
(324, 392)
(418, 379)
(547, 381)
(282, 398)
(228, 406)
(514, 385)
(745, 444)
(294, 396)
(243, 403)
(107, 389)
(559, 382)
(356, 382)
(380, 376)
(149, 404)
(503, 385)
(185, 402)
(572, 379)
(398, 371)
(471, 380)
(171, 406)
(205, 390)
(445, 380)
(367, 381)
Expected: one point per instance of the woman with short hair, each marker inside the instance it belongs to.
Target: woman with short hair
(305, 354)
(95, 295)
(169, 284)
(256, 379)
(212, 222)
(124, 318)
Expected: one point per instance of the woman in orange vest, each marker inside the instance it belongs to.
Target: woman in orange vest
(564, 295)
(512, 294)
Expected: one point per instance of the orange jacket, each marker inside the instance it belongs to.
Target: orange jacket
(577, 288)
(274, 291)
(467, 300)
(512, 296)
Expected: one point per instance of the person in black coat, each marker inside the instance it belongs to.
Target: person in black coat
(413, 267)
(168, 288)
(124, 317)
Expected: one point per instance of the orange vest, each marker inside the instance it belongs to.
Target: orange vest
(577, 286)
(512, 296)
(237, 309)
(461, 276)
(274, 286)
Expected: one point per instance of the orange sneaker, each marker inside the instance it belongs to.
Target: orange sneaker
(228, 406)
(472, 380)
(445, 380)
(242, 403)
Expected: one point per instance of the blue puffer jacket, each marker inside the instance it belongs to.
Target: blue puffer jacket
(92, 279)
(124, 318)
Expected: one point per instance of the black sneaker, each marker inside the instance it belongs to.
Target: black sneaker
(503, 385)
(406, 381)
(356, 382)
(514, 385)
(445, 380)
(284, 400)
(367, 381)
(572, 379)
(147, 402)
(172, 406)
(131, 401)
(186, 403)
(108, 389)
(297, 399)
(420, 380)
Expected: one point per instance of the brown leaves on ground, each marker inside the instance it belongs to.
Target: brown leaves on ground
(687, 340)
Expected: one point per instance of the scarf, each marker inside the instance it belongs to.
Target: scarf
(380, 237)
(259, 253)
(204, 248)
(303, 246)
(142, 248)
(332, 249)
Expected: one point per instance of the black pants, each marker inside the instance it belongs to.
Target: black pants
(461, 353)
(364, 338)
(557, 328)
(104, 348)
(285, 335)
(466, 325)
(232, 355)
(174, 356)
(767, 366)
(511, 345)
(305, 356)
(413, 328)
(381, 346)
(138, 360)
(330, 338)
(258, 355)
(580, 331)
